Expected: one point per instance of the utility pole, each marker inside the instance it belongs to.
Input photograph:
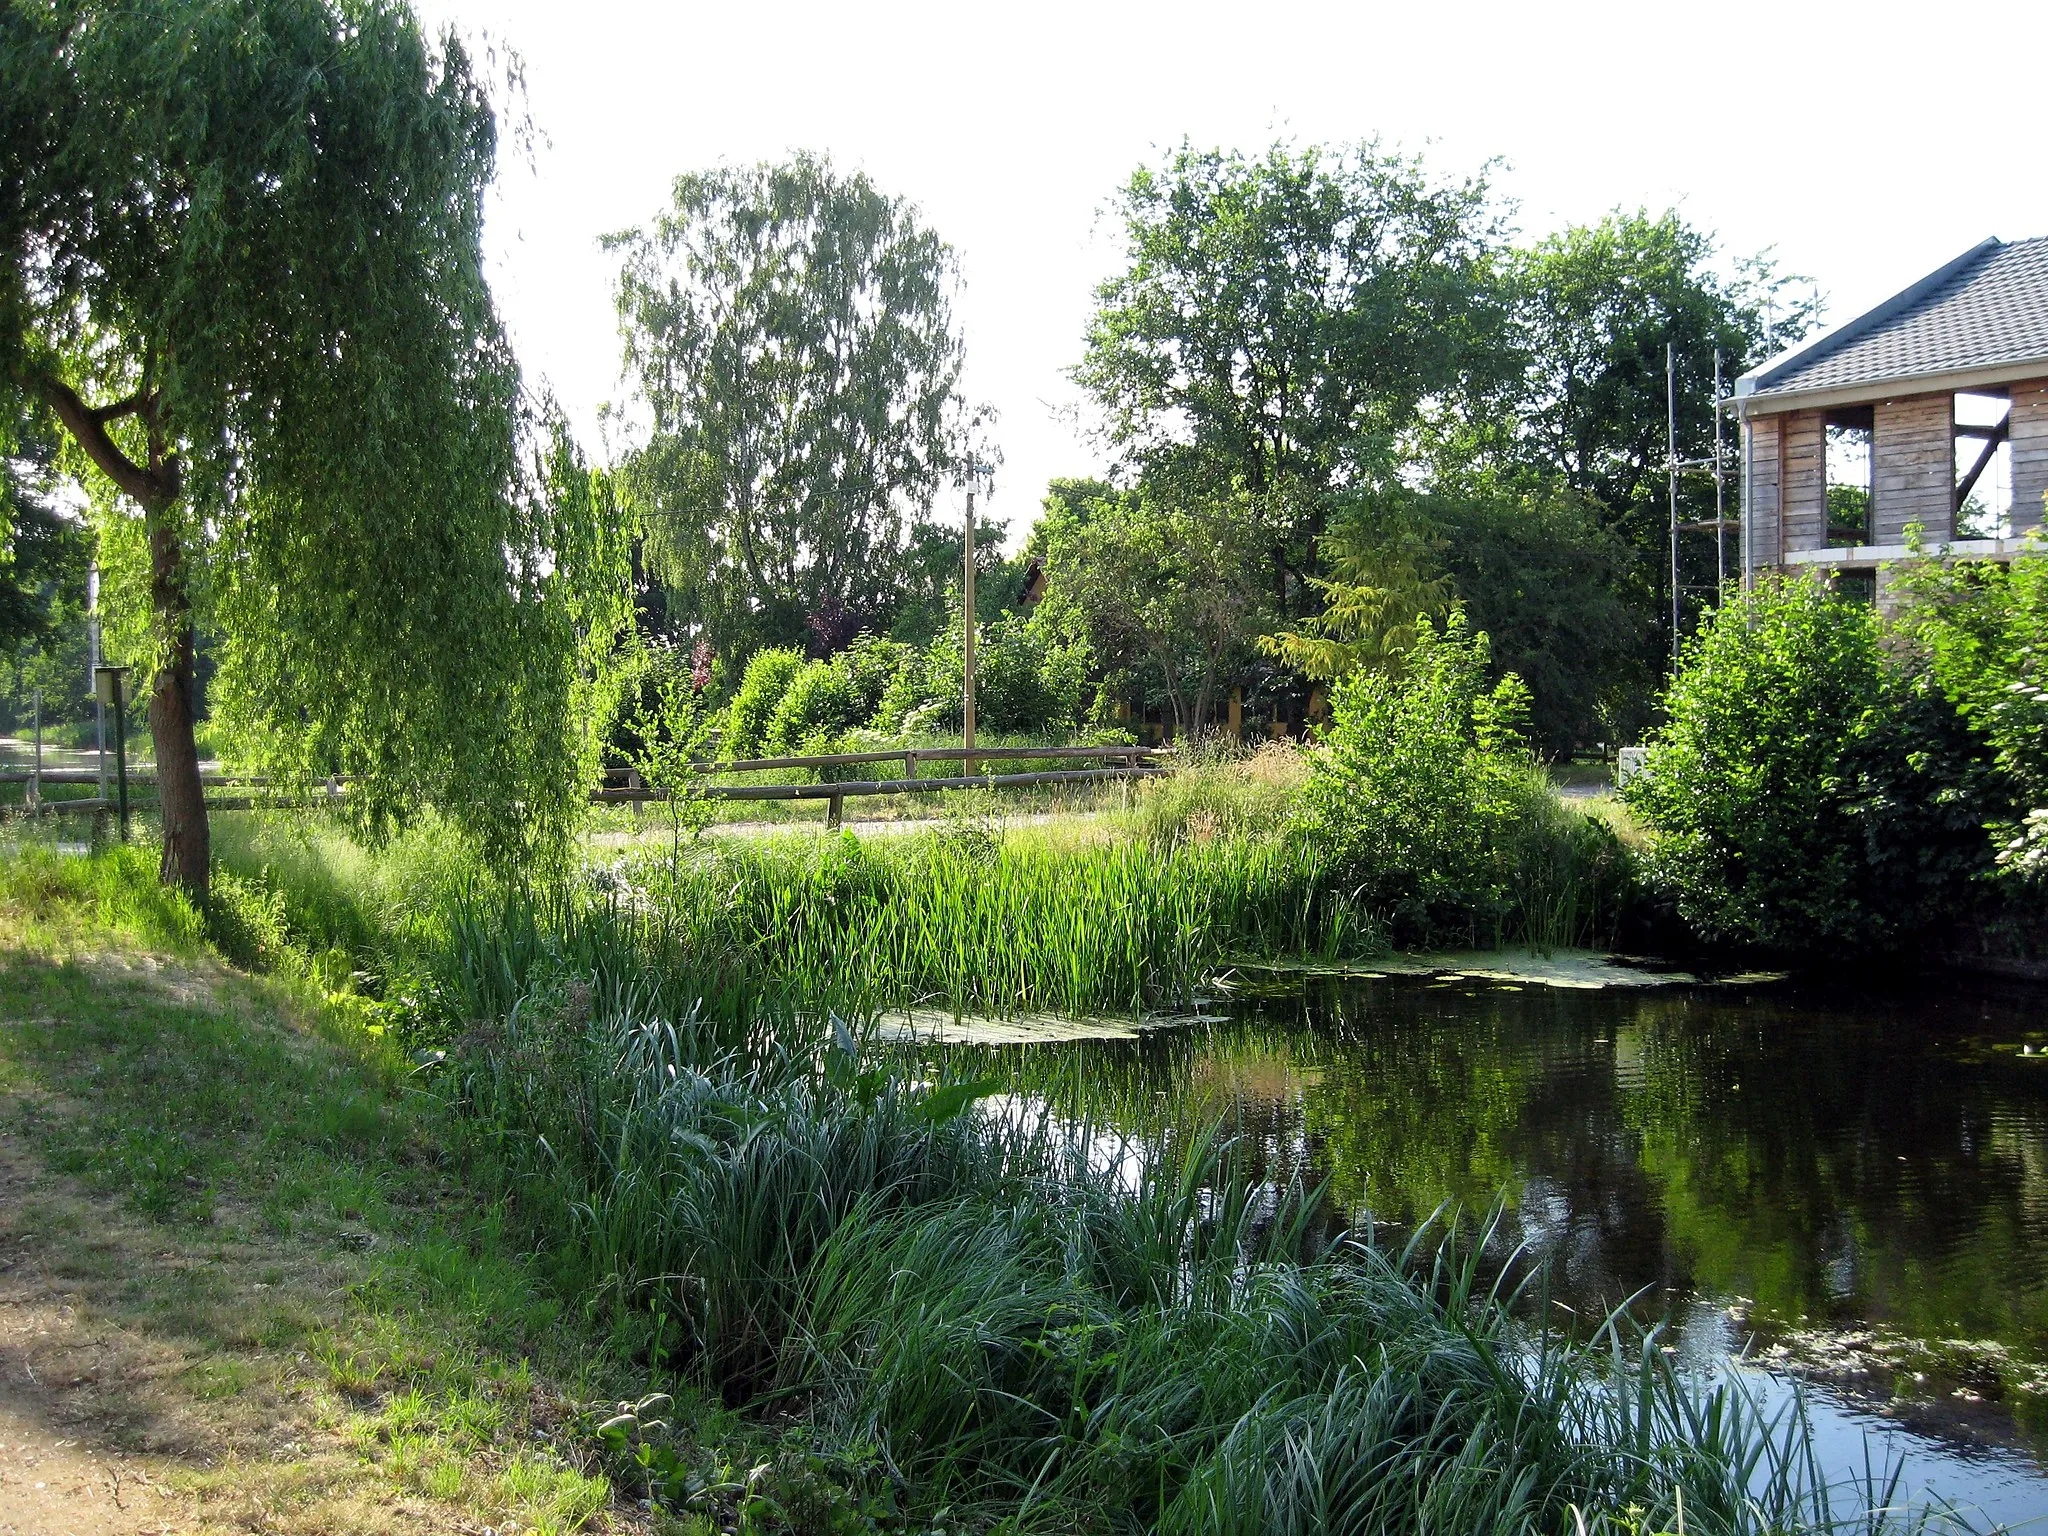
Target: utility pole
(974, 472)
(967, 644)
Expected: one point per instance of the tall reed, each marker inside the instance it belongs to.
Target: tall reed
(1018, 1322)
(989, 923)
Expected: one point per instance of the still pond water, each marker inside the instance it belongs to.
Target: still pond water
(1852, 1187)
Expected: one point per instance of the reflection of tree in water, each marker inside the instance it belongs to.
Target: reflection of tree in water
(1431, 1097)
(1828, 1164)
(1843, 1167)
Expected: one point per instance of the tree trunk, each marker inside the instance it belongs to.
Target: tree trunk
(172, 709)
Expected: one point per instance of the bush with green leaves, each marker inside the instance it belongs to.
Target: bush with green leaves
(1026, 678)
(1983, 629)
(767, 678)
(1750, 785)
(872, 664)
(820, 702)
(1426, 790)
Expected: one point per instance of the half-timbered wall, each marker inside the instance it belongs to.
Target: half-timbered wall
(1805, 480)
(2029, 453)
(1913, 476)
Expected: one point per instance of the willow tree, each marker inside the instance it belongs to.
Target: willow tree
(242, 269)
(790, 329)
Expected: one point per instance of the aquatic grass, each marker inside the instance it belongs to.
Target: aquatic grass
(1024, 1319)
(1001, 924)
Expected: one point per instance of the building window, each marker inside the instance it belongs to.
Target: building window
(1856, 586)
(1983, 467)
(1849, 470)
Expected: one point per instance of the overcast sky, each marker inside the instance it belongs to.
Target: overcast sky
(1862, 144)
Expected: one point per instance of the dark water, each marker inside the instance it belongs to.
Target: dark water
(1849, 1187)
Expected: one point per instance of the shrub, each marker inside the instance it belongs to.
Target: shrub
(1425, 787)
(754, 702)
(821, 701)
(1025, 679)
(1751, 784)
(1983, 629)
(872, 664)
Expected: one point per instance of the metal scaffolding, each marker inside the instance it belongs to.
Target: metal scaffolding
(1715, 465)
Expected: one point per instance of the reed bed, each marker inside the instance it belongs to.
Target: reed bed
(1000, 924)
(994, 1319)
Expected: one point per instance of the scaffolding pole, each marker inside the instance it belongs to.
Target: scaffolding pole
(1715, 464)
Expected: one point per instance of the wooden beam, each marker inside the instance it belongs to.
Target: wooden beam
(1969, 481)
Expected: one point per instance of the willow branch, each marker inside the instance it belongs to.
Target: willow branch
(153, 487)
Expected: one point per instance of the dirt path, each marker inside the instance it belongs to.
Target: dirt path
(79, 1449)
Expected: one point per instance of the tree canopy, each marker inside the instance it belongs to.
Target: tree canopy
(790, 330)
(240, 264)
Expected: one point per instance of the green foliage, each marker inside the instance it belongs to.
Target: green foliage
(1429, 804)
(674, 735)
(1597, 305)
(1984, 630)
(240, 258)
(790, 328)
(820, 702)
(1164, 581)
(1828, 782)
(1750, 784)
(1220, 790)
(43, 550)
(872, 664)
(1282, 318)
(999, 925)
(767, 678)
(1027, 678)
(1561, 599)
(1384, 582)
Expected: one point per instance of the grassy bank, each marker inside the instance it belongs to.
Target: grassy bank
(1114, 913)
(249, 1279)
(873, 1299)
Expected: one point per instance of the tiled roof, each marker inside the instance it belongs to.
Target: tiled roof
(1988, 308)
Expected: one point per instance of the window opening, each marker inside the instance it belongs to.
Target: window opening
(1857, 587)
(1849, 477)
(1983, 467)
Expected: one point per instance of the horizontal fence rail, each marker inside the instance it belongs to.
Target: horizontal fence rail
(1113, 763)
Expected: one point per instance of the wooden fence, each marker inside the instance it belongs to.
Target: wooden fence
(1107, 763)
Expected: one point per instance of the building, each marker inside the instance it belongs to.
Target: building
(1930, 409)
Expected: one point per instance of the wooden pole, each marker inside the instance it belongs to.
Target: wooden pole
(967, 642)
(35, 783)
(121, 745)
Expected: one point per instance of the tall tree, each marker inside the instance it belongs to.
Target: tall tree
(791, 331)
(1158, 583)
(1597, 305)
(240, 264)
(1282, 320)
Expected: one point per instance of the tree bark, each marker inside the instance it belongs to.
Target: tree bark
(187, 860)
(155, 487)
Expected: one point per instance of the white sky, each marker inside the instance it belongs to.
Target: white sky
(1864, 144)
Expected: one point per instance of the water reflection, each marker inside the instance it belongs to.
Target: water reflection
(1857, 1185)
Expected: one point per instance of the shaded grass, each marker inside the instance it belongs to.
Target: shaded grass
(267, 1205)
